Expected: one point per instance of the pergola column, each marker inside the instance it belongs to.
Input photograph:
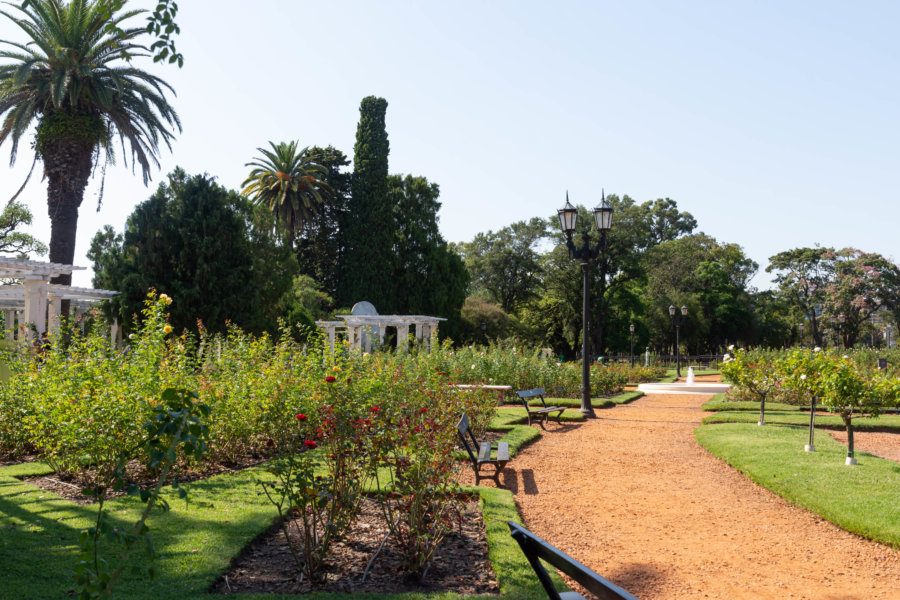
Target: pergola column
(10, 323)
(114, 333)
(54, 308)
(36, 302)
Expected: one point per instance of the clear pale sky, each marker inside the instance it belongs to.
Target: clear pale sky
(774, 123)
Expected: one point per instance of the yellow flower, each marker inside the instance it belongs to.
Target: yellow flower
(167, 329)
(165, 298)
(335, 368)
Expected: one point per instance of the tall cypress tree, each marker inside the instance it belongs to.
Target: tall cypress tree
(369, 227)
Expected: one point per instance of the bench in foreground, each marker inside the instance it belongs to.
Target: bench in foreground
(536, 549)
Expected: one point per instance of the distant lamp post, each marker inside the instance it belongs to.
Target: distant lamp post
(840, 326)
(677, 320)
(631, 329)
(484, 331)
(800, 328)
(603, 222)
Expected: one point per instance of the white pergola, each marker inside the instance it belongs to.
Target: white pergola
(356, 325)
(38, 301)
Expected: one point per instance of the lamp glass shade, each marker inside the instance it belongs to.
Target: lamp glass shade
(631, 328)
(684, 311)
(603, 215)
(568, 214)
(671, 310)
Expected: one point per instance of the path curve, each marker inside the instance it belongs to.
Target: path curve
(633, 496)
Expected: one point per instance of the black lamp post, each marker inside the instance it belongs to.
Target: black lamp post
(603, 222)
(631, 329)
(800, 327)
(677, 320)
(484, 332)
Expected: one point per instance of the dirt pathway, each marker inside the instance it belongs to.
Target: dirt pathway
(634, 496)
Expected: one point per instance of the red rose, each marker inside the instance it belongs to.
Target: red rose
(374, 409)
(270, 443)
(329, 379)
(301, 417)
(309, 444)
(423, 410)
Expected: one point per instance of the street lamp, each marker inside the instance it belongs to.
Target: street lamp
(484, 332)
(800, 327)
(631, 329)
(603, 222)
(677, 320)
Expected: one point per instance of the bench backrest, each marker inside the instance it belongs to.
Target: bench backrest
(524, 395)
(463, 429)
(536, 549)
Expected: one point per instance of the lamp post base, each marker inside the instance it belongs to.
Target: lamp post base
(850, 461)
(809, 448)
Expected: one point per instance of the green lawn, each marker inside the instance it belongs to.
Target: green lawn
(195, 542)
(861, 499)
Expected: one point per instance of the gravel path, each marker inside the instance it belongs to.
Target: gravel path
(634, 496)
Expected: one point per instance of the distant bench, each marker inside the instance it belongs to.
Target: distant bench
(542, 413)
(502, 390)
(483, 449)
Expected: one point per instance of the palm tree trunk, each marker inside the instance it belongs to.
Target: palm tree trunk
(67, 166)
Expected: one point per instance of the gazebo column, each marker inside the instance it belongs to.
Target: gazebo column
(403, 336)
(54, 308)
(332, 334)
(367, 338)
(36, 303)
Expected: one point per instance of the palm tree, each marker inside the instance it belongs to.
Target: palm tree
(71, 82)
(289, 182)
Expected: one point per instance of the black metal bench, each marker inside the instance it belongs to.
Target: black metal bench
(483, 456)
(536, 549)
(542, 413)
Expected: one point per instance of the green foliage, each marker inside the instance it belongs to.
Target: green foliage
(368, 265)
(205, 247)
(176, 423)
(428, 277)
(505, 266)
(319, 247)
(498, 324)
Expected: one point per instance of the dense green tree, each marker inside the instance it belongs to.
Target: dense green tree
(369, 232)
(205, 247)
(504, 266)
(801, 275)
(288, 182)
(13, 241)
(69, 80)
(862, 284)
(712, 280)
(319, 246)
(428, 278)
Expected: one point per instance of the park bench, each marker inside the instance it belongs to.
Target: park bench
(500, 389)
(536, 549)
(483, 449)
(542, 413)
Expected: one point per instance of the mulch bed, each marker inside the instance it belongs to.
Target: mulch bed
(460, 564)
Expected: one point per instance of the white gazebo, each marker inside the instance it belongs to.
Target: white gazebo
(35, 300)
(362, 328)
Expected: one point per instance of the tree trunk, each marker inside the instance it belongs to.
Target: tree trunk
(67, 167)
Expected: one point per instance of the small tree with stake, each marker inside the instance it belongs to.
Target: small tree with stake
(754, 372)
(848, 392)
